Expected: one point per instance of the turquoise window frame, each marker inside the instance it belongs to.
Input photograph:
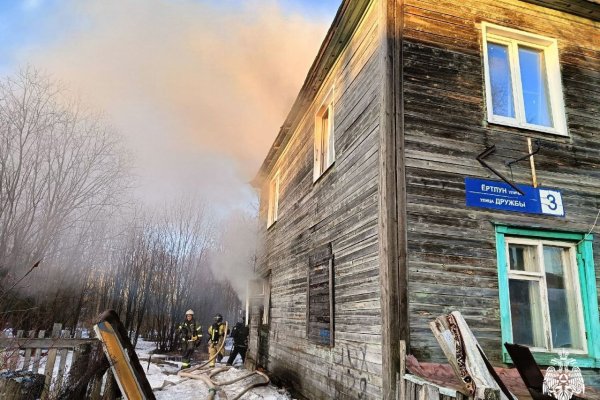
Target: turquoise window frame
(587, 282)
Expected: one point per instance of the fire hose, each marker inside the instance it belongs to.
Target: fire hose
(206, 375)
(214, 386)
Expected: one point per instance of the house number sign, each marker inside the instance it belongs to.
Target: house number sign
(500, 196)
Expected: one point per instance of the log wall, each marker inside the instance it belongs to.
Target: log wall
(451, 248)
(341, 209)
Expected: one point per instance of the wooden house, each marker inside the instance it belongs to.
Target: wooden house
(441, 155)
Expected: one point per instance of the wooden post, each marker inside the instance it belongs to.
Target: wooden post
(532, 164)
(16, 388)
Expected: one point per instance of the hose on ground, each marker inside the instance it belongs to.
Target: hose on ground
(207, 377)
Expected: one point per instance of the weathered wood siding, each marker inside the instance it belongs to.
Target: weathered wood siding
(451, 248)
(341, 208)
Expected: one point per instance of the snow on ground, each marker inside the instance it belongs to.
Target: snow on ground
(163, 373)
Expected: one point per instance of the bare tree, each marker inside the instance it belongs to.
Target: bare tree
(60, 165)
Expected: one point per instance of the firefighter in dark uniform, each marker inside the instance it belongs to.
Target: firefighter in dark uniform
(239, 333)
(190, 334)
(216, 338)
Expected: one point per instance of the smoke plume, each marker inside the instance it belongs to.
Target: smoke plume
(198, 88)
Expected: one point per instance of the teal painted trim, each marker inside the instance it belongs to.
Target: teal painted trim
(505, 320)
(587, 281)
(545, 359)
(590, 300)
(541, 234)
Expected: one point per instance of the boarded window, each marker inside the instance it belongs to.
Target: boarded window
(320, 297)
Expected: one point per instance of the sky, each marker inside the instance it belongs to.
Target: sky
(197, 88)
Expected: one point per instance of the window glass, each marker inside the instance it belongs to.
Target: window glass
(526, 313)
(564, 318)
(535, 86)
(325, 137)
(501, 82)
(523, 258)
(522, 80)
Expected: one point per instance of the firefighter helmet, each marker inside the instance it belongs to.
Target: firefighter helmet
(189, 312)
(218, 318)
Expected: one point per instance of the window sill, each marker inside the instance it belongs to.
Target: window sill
(271, 225)
(530, 127)
(545, 359)
(325, 172)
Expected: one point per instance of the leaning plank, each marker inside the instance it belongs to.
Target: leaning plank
(27, 360)
(63, 361)
(50, 363)
(463, 353)
(61, 366)
(37, 354)
(124, 363)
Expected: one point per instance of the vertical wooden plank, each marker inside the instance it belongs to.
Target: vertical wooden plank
(429, 392)
(48, 372)
(307, 301)
(390, 239)
(27, 360)
(37, 353)
(590, 301)
(331, 305)
(411, 390)
(63, 360)
(401, 390)
(97, 386)
(75, 352)
(50, 363)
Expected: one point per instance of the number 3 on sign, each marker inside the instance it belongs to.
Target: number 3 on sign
(551, 202)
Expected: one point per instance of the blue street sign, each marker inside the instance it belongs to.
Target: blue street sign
(500, 196)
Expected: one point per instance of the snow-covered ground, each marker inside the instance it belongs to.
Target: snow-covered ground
(162, 373)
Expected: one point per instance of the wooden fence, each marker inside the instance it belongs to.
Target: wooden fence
(55, 354)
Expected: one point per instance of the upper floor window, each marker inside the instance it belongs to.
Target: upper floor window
(324, 138)
(548, 296)
(273, 200)
(522, 78)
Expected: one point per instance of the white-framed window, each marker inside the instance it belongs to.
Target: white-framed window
(522, 80)
(546, 310)
(273, 210)
(324, 137)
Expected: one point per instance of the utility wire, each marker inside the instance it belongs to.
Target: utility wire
(592, 228)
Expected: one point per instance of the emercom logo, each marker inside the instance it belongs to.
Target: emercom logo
(561, 382)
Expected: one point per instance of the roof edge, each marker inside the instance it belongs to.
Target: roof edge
(337, 36)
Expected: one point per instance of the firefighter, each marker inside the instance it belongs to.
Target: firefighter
(190, 334)
(239, 333)
(216, 338)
